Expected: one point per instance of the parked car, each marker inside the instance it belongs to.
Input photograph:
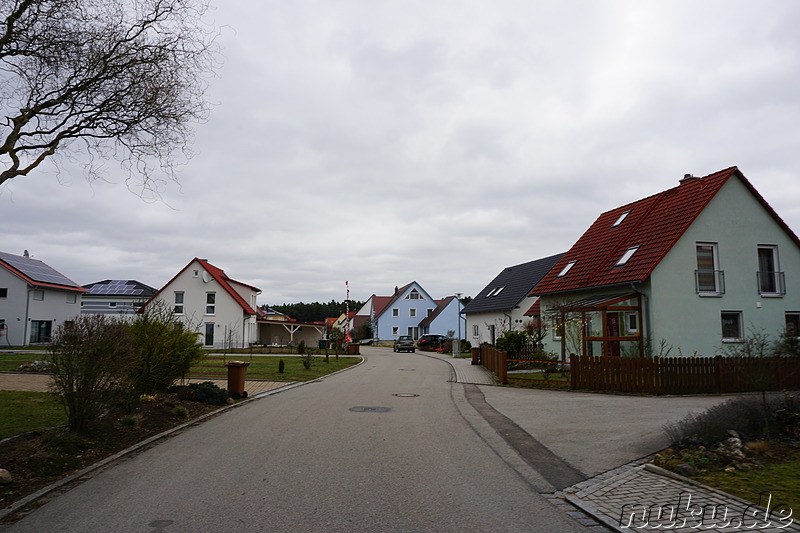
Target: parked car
(431, 342)
(404, 343)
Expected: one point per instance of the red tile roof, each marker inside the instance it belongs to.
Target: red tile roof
(225, 282)
(654, 224)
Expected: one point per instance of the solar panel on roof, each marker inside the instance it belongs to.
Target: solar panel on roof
(36, 270)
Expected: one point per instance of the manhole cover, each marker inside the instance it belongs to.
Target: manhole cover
(365, 409)
(405, 395)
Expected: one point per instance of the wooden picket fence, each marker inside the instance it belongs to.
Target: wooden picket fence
(685, 375)
(493, 360)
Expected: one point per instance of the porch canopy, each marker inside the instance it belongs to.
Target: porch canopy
(608, 324)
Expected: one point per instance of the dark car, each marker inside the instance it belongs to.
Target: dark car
(431, 342)
(404, 343)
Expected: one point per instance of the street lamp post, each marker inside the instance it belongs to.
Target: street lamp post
(457, 342)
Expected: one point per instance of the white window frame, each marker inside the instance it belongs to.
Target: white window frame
(740, 337)
(566, 268)
(72, 298)
(775, 272)
(395, 312)
(715, 272)
(412, 312)
(796, 315)
(112, 304)
(395, 331)
(414, 295)
(476, 333)
(211, 303)
(556, 336)
(626, 256)
(38, 295)
(178, 303)
(622, 217)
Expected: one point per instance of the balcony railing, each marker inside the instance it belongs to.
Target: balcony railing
(771, 283)
(709, 282)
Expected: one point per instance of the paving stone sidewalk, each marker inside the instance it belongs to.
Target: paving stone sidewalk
(465, 371)
(642, 497)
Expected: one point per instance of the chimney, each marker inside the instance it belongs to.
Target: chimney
(26, 254)
(688, 178)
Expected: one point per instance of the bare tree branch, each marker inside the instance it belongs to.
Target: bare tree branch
(126, 77)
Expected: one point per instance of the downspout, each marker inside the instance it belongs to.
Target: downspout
(646, 312)
(25, 335)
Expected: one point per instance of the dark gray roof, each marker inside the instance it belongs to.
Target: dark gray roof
(120, 287)
(511, 286)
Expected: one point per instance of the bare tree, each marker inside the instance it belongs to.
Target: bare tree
(126, 78)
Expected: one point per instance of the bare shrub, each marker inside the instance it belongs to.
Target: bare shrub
(90, 357)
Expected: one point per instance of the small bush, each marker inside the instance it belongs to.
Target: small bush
(752, 417)
(281, 367)
(129, 421)
(208, 392)
(301, 347)
(307, 361)
(180, 411)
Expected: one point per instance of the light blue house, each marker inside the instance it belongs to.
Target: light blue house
(410, 311)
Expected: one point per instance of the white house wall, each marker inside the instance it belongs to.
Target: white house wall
(18, 310)
(231, 326)
(501, 320)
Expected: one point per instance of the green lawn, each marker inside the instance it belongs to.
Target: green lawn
(536, 379)
(779, 478)
(27, 411)
(266, 367)
(10, 362)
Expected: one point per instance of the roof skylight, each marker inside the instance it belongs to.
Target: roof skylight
(566, 269)
(621, 218)
(627, 255)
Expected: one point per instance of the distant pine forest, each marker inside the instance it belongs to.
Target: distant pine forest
(316, 311)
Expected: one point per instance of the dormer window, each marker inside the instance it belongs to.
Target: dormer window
(626, 256)
(566, 269)
(621, 218)
(495, 291)
(413, 295)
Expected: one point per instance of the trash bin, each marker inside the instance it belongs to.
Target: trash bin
(353, 349)
(237, 370)
(323, 343)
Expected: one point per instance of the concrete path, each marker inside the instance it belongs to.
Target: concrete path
(607, 439)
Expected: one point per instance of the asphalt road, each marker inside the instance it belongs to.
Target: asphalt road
(382, 447)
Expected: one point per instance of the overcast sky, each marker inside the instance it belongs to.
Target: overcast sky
(386, 142)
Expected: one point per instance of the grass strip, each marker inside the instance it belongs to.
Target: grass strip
(266, 367)
(28, 411)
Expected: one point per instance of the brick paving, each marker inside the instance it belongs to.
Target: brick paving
(464, 370)
(642, 497)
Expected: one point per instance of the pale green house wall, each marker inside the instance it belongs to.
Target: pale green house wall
(673, 311)
(738, 223)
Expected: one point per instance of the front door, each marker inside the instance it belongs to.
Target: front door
(612, 330)
(209, 334)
